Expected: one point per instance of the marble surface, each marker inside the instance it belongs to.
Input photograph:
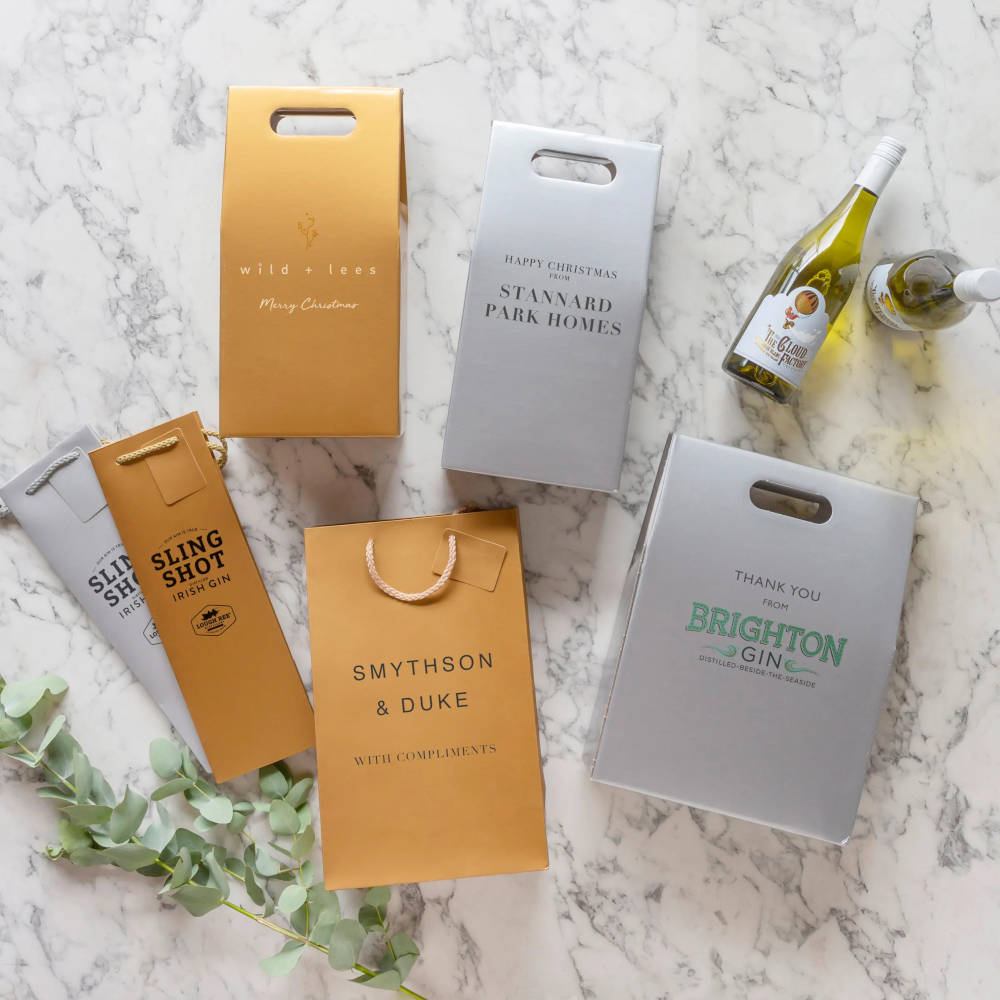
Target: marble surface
(111, 145)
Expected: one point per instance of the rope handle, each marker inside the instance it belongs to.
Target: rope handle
(44, 476)
(217, 445)
(401, 595)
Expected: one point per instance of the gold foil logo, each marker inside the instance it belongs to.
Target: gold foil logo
(308, 229)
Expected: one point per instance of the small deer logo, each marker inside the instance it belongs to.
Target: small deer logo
(308, 229)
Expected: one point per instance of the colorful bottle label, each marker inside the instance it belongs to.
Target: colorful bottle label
(880, 301)
(785, 332)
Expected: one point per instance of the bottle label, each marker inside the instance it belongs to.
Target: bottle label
(785, 332)
(880, 301)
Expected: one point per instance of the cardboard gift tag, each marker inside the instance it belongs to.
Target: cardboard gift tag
(313, 244)
(429, 705)
(59, 503)
(191, 557)
(756, 638)
(553, 310)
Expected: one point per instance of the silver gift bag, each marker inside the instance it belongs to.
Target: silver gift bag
(59, 503)
(553, 310)
(755, 639)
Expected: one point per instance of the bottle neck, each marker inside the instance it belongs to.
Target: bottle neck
(875, 174)
(981, 284)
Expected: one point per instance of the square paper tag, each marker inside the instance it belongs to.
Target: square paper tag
(478, 561)
(175, 471)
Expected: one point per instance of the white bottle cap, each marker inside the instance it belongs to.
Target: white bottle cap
(876, 172)
(979, 285)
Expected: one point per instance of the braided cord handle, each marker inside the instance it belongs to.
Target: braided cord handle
(401, 595)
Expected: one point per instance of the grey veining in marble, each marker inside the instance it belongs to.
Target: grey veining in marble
(111, 145)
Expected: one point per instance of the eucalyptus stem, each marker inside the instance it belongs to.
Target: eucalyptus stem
(88, 836)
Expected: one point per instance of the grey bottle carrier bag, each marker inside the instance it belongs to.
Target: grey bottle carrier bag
(59, 503)
(753, 647)
(553, 310)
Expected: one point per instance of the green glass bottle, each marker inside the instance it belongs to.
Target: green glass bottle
(930, 290)
(791, 319)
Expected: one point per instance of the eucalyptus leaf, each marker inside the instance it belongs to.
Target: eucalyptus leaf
(127, 815)
(305, 817)
(19, 698)
(237, 824)
(388, 980)
(82, 776)
(307, 873)
(188, 766)
(72, 837)
(88, 814)
(369, 918)
(291, 899)
(183, 869)
(236, 866)
(264, 863)
(299, 792)
(403, 965)
(379, 896)
(11, 730)
(286, 959)
(217, 809)
(303, 844)
(54, 729)
(274, 782)
(403, 944)
(254, 891)
(283, 818)
(172, 787)
(87, 857)
(218, 877)
(203, 825)
(60, 754)
(160, 832)
(322, 899)
(198, 899)
(52, 792)
(243, 807)
(130, 856)
(27, 758)
(100, 791)
(345, 943)
(323, 925)
(164, 757)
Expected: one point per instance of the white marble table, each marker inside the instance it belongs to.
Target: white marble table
(111, 144)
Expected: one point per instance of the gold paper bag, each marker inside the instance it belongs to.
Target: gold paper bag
(427, 738)
(173, 512)
(313, 235)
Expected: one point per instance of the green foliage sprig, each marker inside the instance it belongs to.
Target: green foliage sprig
(272, 869)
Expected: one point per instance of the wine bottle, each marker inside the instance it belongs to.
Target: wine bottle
(787, 326)
(929, 290)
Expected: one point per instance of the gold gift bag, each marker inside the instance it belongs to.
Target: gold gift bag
(312, 237)
(427, 738)
(188, 550)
